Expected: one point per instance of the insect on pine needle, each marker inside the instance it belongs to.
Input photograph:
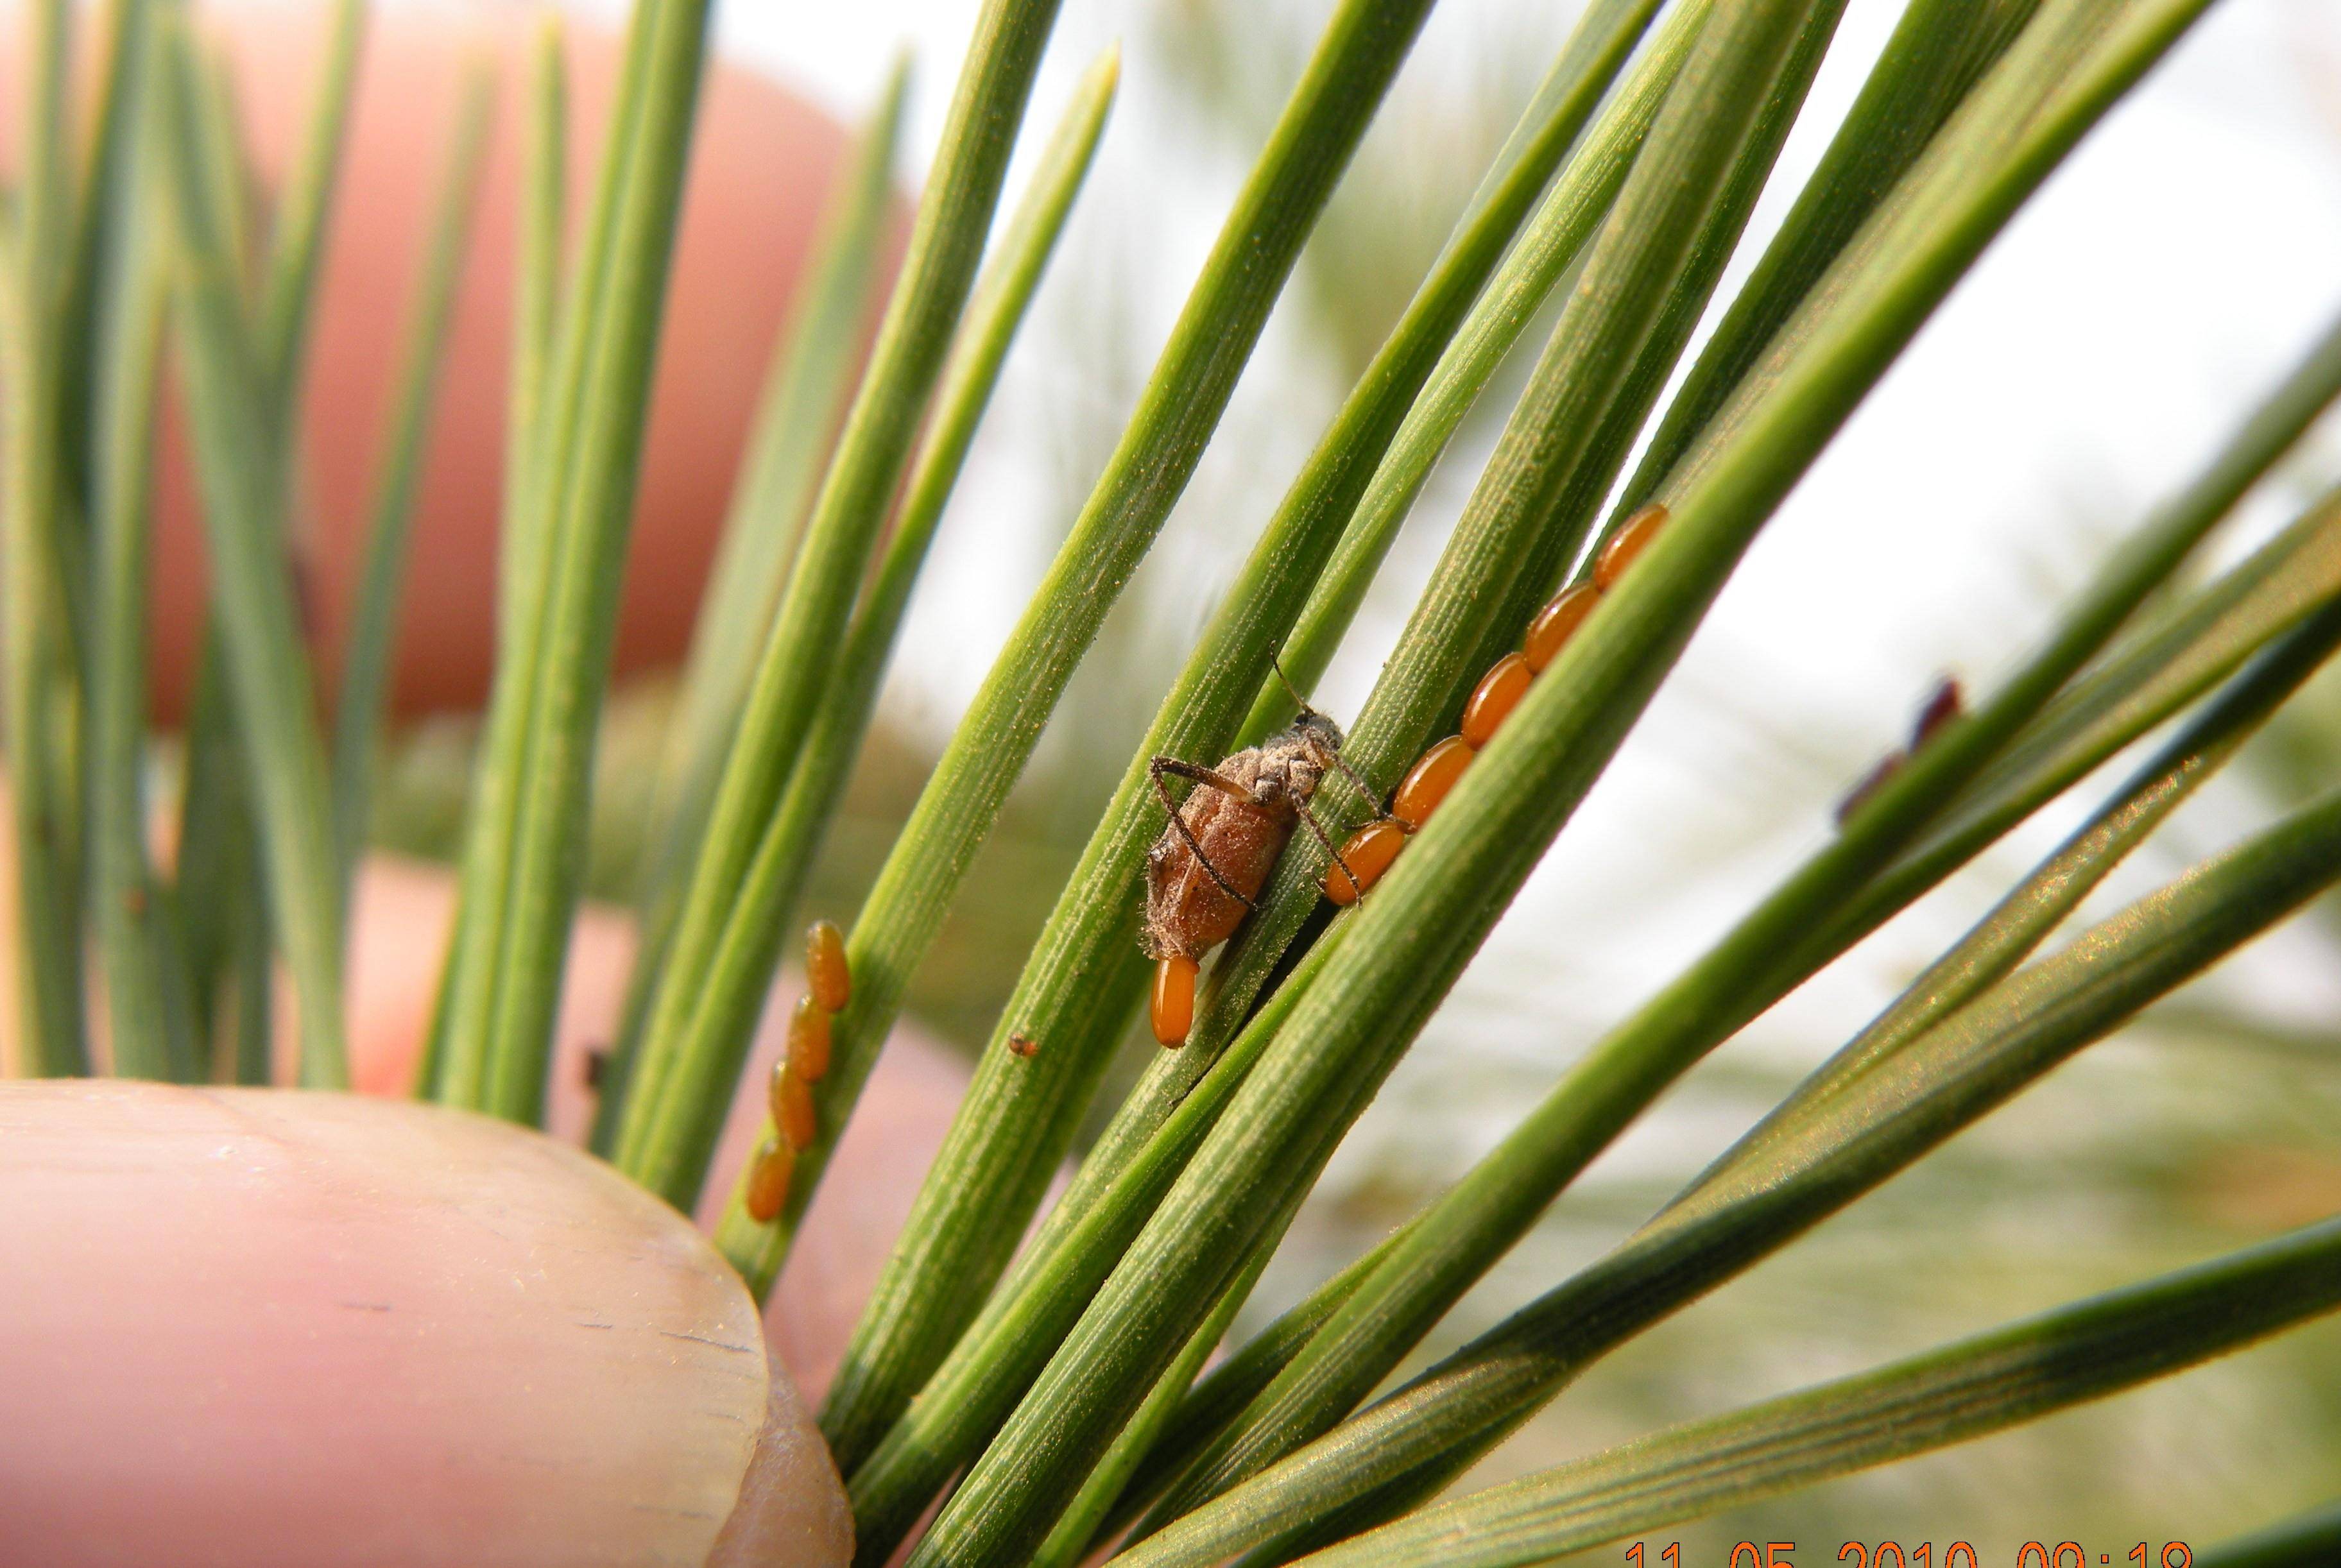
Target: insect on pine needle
(1943, 705)
(1218, 848)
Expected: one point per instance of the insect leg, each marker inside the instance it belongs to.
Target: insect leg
(1314, 826)
(1202, 776)
(1364, 789)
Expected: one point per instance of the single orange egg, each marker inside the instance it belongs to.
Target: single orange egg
(833, 983)
(1492, 701)
(768, 1180)
(808, 1054)
(792, 1110)
(1549, 633)
(1368, 853)
(776, 1091)
(1173, 1008)
(1428, 784)
(1626, 544)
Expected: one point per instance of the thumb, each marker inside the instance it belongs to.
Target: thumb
(257, 1328)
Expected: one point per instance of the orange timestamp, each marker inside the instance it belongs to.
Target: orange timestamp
(1957, 1555)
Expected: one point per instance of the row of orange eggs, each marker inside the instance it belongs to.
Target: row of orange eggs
(1369, 852)
(804, 1064)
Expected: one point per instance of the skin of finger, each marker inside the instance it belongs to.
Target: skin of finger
(778, 1517)
(401, 918)
(402, 912)
(762, 163)
(262, 1328)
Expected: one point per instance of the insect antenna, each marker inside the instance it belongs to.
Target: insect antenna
(1293, 692)
(1364, 789)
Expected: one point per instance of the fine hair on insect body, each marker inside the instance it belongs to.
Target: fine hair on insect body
(1218, 847)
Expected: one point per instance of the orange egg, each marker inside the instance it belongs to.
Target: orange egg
(768, 1180)
(1492, 701)
(776, 1091)
(1368, 853)
(808, 1055)
(1424, 788)
(1626, 544)
(1172, 1010)
(793, 1113)
(1556, 623)
(832, 982)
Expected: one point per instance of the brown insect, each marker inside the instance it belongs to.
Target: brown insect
(1944, 704)
(1218, 848)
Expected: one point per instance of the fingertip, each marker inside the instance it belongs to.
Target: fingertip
(780, 1516)
(402, 912)
(279, 1327)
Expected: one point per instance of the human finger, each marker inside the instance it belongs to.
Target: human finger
(400, 918)
(762, 163)
(257, 1327)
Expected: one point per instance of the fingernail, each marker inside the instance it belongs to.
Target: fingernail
(780, 1518)
(262, 1328)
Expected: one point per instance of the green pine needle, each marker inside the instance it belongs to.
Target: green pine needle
(1954, 1394)
(363, 698)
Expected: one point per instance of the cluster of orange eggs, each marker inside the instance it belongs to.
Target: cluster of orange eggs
(804, 1064)
(1368, 851)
